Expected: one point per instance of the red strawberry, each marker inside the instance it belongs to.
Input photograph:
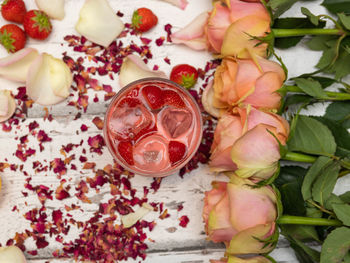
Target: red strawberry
(143, 19)
(129, 102)
(125, 150)
(37, 24)
(154, 96)
(173, 99)
(184, 75)
(12, 37)
(13, 10)
(177, 151)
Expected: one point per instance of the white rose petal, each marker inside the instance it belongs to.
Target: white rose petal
(131, 219)
(7, 107)
(133, 68)
(15, 66)
(49, 80)
(53, 8)
(11, 254)
(99, 23)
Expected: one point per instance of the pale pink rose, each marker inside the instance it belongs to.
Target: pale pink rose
(236, 212)
(243, 143)
(238, 18)
(179, 3)
(245, 81)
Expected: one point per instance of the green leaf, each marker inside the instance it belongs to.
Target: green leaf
(324, 184)
(327, 57)
(318, 43)
(342, 211)
(314, 19)
(345, 197)
(304, 233)
(312, 174)
(325, 82)
(313, 212)
(289, 184)
(292, 22)
(313, 137)
(337, 6)
(295, 99)
(336, 245)
(333, 199)
(304, 253)
(311, 87)
(341, 135)
(280, 6)
(345, 20)
(338, 111)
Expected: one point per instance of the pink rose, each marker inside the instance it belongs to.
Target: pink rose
(214, 31)
(245, 81)
(243, 143)
(240, 215)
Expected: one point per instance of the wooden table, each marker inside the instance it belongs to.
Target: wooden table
(172, 243)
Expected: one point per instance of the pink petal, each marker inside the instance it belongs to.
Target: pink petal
(247, 241)
(193, 34)
(251, 206)
(207, 100)
(134, 68)
(218, 23)
(256, 153)
(15, 66)
(241, 9)
(7, 105)
(179, 3)
(212, 197)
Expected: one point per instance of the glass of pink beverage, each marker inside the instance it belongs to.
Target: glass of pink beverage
(153, 127)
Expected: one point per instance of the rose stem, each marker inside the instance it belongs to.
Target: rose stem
(330, 95)
(299, 157)
(279, 33)
(300, 220)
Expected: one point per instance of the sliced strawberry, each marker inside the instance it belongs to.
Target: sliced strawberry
(173, 99)
(125, 150)
(149, 130)
(177, 151)
(154, 96)
(129, 102)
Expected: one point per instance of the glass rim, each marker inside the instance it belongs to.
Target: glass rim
(197, 139)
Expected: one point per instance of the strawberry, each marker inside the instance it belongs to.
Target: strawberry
(125, 150)
(143, 19)
(154, 96)
(173, 99)
(37, 24)
(13, 10)
(12, 37)
(177, 151)
(184, 75)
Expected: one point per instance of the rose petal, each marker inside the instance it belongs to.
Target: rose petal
(238, 40)
(247, 241)
(207, 101)
(251, 206)
(99, 23)
(15, 66)
(179, 3)
(49, 80)
(256, 153)
(53, 8)
(11, 254)
(193, 34)
(7, 105)
(131, 219)
(133, 68)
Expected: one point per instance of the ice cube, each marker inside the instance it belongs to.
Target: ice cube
(176, 122)
(151, 153)
(126, 122)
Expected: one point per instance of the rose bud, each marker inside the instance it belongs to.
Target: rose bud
(247, 82)
(240, 215)
(235, 19)
(243, 142)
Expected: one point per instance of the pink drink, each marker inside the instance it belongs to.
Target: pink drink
(153, 127)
